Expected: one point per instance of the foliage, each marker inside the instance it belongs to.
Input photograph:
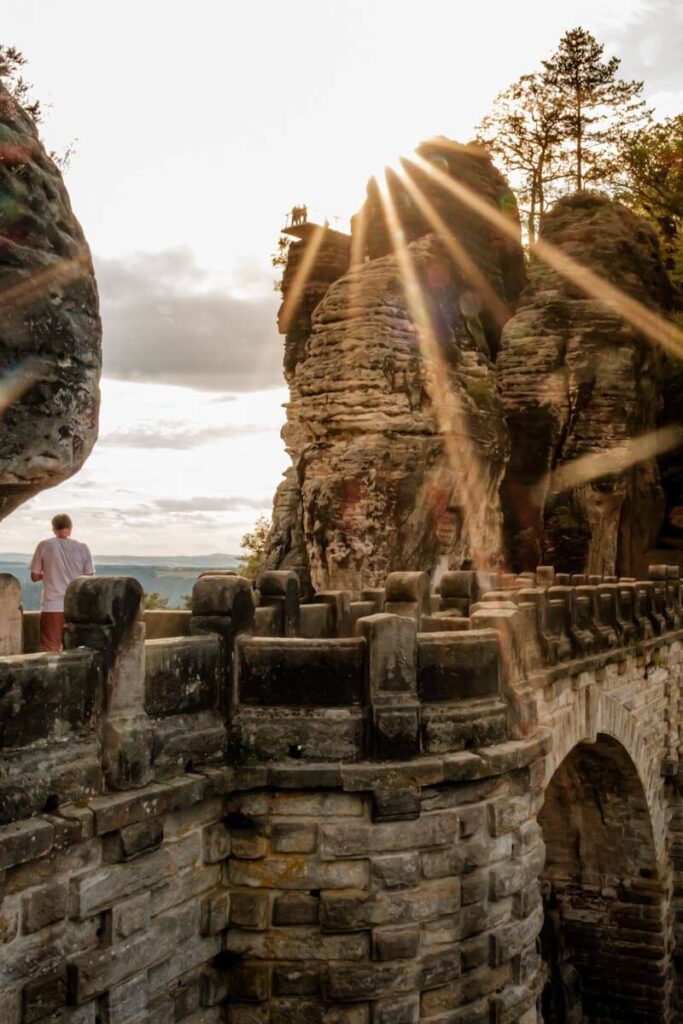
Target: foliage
(526, 130)
(155, 602)
(12, 61)
(253, 545)
(186, 602)
(650, 180)
(560, 128)
(598, 106)
(279, 259)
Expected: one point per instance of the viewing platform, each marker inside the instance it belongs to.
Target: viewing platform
(299, 224)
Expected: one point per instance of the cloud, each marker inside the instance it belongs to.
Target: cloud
(209, 504)
(165, 321)
(650, 45)
(175, 435)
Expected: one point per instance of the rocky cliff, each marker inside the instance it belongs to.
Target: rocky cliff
(372, 482)
(577, 380)
(49, 321)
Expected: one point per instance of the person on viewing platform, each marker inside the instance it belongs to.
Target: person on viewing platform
(57, 561)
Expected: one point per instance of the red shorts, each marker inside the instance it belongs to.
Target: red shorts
(51, 625)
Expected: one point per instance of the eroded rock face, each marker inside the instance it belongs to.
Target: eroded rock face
(377, 488)
(50, 329)
(576, 380)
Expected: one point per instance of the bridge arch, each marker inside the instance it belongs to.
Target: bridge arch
(607, 937)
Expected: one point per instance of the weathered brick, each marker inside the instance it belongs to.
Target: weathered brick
(396, 871)
(297, 944)
(356, 840)
(125, 1002)
(96, 890)
(404, 1010)
(295, 908)
(130, 916)
(215, 912)
(43, 994)
(302, 980)
(43, 906)
(250, 910)
(294, 872)
(133, 840)
(24, 840)
(395, 943)
(293, 837)
(215, 842)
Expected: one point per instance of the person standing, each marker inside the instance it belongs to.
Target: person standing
(57, 561)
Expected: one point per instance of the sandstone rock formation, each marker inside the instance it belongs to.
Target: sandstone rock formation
(377, 488)
(575, 380)
(49, 321)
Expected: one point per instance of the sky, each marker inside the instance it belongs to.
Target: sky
(196, 126)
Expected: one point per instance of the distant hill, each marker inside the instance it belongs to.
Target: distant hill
(172, 576)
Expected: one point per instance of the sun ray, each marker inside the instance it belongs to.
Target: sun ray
(451, 420)
(53, 276)
(301, 276)
(16, 382)
(642, 319)
(457, 252)
(613, 461)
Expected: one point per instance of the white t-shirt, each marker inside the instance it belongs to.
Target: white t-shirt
(60, 560)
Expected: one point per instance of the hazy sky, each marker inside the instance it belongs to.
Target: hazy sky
(197, 126)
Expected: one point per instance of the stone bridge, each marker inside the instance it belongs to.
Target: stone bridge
(456, 808)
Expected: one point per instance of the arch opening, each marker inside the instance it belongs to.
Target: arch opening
(607, 933)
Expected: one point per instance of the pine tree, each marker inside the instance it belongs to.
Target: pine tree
(599, 107)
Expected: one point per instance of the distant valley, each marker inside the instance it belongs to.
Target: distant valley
(172, 577)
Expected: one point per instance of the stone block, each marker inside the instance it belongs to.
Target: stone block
(391, 642)
(249, 910)
(396, 871)
(404, 1010)
(396, 803)
(215, 842)
(250, 982)
(458, 666)
(359, 840)
(126, 1002)
(97, 890)
(39, 691)
(293, 837)
(221, 595)
(25, 840)
(182, 675)
(215, 912)
(295, 909)
(348, 983)
(339, 604)
(396, 731)
(292, 944)
(294, 871)
(214, 986)
(301, 673)
(296, 1011)
(248, 845)
(43, 994)
(280, 590)
(357, 911)
(290, 980)
(395, 943)
(133, 840)
(130, 916)
(44, 906)
(408, 594)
